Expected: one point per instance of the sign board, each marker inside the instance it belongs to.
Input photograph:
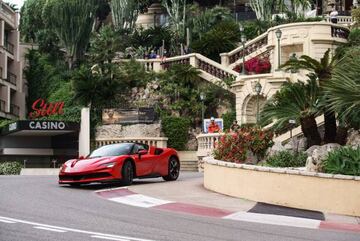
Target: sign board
(128, 116)
(218, 121)
(41, 109)
(40, 125)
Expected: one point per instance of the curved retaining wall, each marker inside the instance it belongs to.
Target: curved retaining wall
(287, 187)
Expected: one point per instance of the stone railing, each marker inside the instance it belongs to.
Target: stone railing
(250, 47)
(206, 143)
(151, 141)
(339, 32)
(344, 20)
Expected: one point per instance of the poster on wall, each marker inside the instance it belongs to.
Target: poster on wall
(218, 121)
(128, 116)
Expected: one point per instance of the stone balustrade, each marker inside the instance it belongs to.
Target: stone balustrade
(8, 13)
(206, 145)
(343, 20)
(151, 141)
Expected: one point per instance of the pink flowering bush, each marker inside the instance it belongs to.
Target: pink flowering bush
(258, 65)
(234, 147)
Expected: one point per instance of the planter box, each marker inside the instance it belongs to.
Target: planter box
(287, 187)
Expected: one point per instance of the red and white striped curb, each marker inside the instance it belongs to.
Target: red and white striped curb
(125, 196)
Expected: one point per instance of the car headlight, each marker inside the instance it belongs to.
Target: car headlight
(108, 165)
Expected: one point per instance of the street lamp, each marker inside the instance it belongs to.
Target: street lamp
(258, 88)
(202, 98)
(278, 34)
(243, 41)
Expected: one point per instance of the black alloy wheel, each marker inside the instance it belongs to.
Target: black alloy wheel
(127, 174)
(174, 169)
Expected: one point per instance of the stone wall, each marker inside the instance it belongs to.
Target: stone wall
(136, 130)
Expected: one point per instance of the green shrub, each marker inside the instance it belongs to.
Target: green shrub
(287, 159)
(10, 168)
(345, 160)
(228, 118)
(176, 129)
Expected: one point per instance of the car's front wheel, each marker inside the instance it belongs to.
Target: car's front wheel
(174, 169)
(127, 173)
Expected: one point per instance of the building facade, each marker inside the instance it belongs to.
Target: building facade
(12, 85)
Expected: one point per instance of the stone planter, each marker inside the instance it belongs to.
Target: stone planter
(285, 186)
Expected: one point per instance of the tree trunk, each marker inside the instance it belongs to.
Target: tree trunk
(310, 130)
(330, 126)
(341, 135)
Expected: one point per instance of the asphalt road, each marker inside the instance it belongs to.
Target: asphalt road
(40, 210)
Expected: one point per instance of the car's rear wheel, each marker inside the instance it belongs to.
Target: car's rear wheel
(127, 173)
(174, 169)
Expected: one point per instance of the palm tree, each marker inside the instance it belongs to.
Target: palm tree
(343, 90)
(295, 101)
(322, 70)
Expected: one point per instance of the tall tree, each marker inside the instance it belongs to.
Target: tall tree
(124, 13)
(295, 101)
(72, 21)
(322, 69)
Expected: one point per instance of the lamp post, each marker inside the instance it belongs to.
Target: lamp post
(243, 40)
(202, 98)
(278, 34)
(258, 88)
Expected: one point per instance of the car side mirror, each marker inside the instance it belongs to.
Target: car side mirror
(142, 152)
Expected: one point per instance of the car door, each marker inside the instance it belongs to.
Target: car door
(144, 163)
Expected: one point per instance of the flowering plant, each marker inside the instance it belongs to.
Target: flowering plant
(258, 65)
(234, 147)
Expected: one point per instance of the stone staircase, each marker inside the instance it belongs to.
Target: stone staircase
(188, 161)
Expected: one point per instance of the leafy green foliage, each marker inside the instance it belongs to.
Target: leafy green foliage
(222, 38)
(10, 168)
(287, 159)
(344, 160)
(180, 86)
(176, 129)
(295, 101)
(344, 87)
(228, 118)
(151, 38)
(72, 22)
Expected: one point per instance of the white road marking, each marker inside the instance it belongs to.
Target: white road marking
(139, 200)
(6, 221)
(72, 229)
(51, 229)
(111, 189)
(275, 220)
(109, 238)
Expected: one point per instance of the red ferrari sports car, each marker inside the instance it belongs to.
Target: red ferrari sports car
(121, 162)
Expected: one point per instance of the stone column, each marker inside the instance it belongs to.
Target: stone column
(84, 135)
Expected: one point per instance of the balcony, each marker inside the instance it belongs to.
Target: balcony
(11, 78)
(2, 106)
(15, 110)
(9, 47)
(7, 14)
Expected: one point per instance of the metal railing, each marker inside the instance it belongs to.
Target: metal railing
(9, 47)
(14, 109)
(11, 78)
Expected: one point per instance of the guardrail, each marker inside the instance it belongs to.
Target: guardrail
(9, 47)
(11, 78)
(151, 141)
(347, 20)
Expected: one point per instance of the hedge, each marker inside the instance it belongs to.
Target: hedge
(176, 129)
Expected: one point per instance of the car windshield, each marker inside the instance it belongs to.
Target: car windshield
(112, 150)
